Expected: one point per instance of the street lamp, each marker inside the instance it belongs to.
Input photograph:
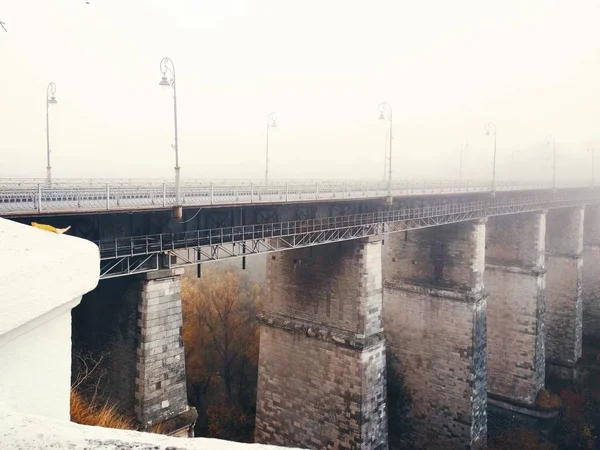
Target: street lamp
(490, 128)
(385, 154)
(551, 141)
(385, 113)
(166, 65)
(271, 123)
(50, 100)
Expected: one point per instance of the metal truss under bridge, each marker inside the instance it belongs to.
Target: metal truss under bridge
(20, 198)
(125, 256)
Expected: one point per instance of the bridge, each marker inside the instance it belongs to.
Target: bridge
(478, 295)
(32, 197)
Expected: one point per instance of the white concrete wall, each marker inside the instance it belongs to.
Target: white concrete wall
(42, 277)
(36, 369)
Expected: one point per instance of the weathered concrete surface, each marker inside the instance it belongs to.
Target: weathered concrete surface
(321, 376)
(564, 263)
(515, 280)
(435, 322)
(591, 275)
(43, 276)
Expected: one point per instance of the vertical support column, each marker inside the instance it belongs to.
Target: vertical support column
(321, 374)
(435, 322)
(515, 279)
(160, 379)
(564, 248)
(591, 275)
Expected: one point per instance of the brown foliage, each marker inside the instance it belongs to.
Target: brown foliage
(88, 404)
(221, 351)
(96, 413)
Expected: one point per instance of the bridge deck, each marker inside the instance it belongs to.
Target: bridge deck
(25, 198)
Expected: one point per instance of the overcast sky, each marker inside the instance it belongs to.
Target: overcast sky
(532, 66)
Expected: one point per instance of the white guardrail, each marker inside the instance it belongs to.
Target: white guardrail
(20, 197)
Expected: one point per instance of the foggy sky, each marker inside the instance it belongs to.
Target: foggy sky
(532, 67)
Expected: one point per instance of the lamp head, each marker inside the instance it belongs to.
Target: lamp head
(164, 82)
(52, 100)
(381, 116)
(487, 132)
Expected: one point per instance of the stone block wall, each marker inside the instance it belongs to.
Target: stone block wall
(450, 257)
(435, 324)
(565, 310)
(321, 375)
(160, 383)
(564, 264)
(315, 393)
(591, 275)
(515, 281)
(135, 324)
(323, 284)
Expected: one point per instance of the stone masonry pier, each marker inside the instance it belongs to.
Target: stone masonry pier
(591, 275)
(135, 323)
(515, 279)
(321, 376)
(435, 322)
(564, 263)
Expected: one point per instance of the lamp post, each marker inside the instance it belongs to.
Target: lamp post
(385, 155)
(385, 113)
(50, 100)
(552, 142)
(490, 128)
(166, 66)
(271, 123)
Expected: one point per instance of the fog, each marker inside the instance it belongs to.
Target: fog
(446, 68)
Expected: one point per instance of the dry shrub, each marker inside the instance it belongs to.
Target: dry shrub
(547, 400)
(97, 414)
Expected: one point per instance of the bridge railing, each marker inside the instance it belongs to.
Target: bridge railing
(158, 243)
(38, 198)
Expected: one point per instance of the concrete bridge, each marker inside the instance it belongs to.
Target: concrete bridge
(479, 298)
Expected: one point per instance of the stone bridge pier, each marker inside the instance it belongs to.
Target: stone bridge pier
(515, 280)
(135, 323)
(435, 323)
(591, 275)
(322, 366)
(564, 263)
